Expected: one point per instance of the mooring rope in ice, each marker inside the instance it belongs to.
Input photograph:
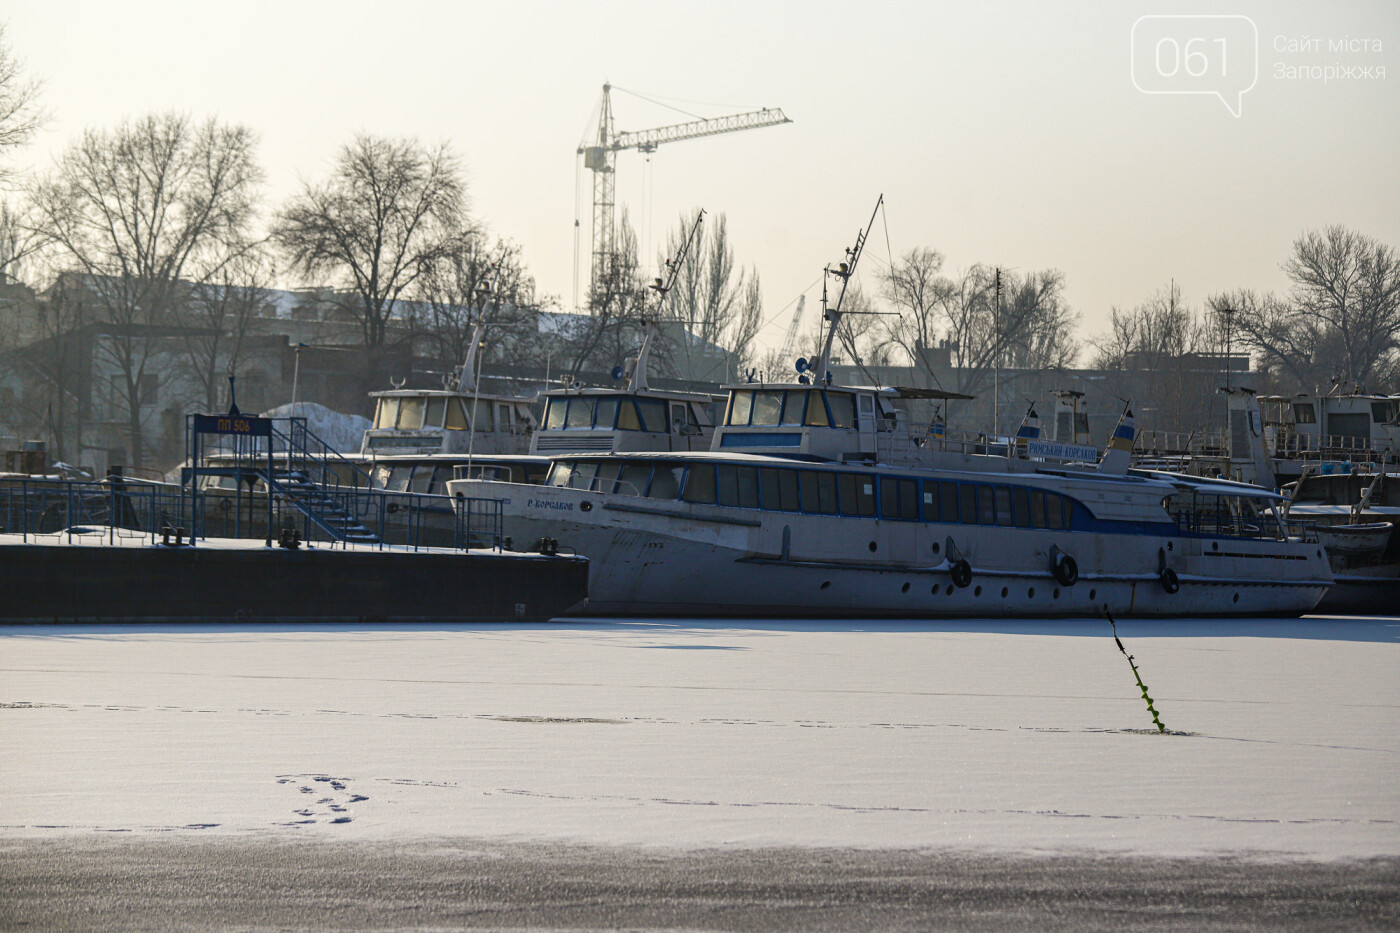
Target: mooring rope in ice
(1150, 708)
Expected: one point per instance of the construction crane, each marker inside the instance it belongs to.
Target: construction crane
(601, 158)
(790, 340)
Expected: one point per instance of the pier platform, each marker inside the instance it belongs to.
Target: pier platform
(97, 576)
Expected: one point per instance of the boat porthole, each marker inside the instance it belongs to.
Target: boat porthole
(949, 591)
(1237, 597)
(826, 584)
(1215, 545)
(904, 588)
(935, 547)
(933, 590)
(585, 506)
(872, 547)
(1055, 593)
(1169, 545)
(1319, 552)
(1030, 593)
(977, 591)
(1092, 594)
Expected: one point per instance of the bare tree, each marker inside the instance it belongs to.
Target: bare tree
(478, 280)
(20, 113)
(391, 210)
(1155, 354)
(718, 303)
(217, 314)
(137, 210)
(18, 240)
(617, 302)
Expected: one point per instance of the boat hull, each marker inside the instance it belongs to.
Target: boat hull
(659, 557)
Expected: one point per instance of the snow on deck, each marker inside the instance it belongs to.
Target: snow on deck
(994, 736)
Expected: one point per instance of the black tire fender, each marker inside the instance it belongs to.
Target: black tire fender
(1066, 570)
(1170, 581)
(961, 572)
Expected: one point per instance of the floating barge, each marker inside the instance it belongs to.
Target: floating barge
(89, 576)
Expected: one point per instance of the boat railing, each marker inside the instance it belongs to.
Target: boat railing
(1294, 446)
(105, 511)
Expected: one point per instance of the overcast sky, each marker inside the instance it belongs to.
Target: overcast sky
(1007, 133)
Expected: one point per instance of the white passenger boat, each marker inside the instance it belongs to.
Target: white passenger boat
(821, 500)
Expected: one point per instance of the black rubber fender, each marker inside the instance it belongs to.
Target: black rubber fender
(1170, 581)
(961, 572)
(1065, 569)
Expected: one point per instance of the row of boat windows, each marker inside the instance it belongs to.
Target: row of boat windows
(811, 407)
(821, 492)
(444, 411)
(619, 413)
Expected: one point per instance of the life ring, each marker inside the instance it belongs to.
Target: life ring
(1065, 569)
(961, 572)
(1170, 581)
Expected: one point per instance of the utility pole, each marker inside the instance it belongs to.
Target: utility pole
(996, 375)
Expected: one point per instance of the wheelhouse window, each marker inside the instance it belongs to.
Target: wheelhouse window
(437, 409)
(653, 415)
(555, 412)
(580, 413)
(1304, 413)
(606, 416)
(794, 406)
(411, 413)
(843, 409)
(767, 407)
(740, 406)
(817, 416)
(387, 413)
(456, 419)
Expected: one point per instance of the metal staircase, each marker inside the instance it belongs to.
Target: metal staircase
(320, 506)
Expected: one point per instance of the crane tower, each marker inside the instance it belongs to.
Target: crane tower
(601, 159)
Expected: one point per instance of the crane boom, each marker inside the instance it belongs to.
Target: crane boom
(601, 157)
(791, 339)
(648, 140)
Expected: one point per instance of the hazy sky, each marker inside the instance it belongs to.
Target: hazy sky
(1009, 133)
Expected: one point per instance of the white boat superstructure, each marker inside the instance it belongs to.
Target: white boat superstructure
(824, 500)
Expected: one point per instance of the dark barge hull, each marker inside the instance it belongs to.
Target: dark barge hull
(207, 583)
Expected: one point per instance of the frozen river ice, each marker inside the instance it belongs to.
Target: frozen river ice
(975, 739)
(1285, 736)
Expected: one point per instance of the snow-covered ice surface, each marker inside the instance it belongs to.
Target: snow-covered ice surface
(1283, 742)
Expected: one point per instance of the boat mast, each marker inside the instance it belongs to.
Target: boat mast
(637, 378)
(843, 271)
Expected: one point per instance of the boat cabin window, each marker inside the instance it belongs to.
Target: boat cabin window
(411, 413)
(819, 492)
(817, 416)
(740, 405)
(422, 477)
(1304, 413)
(627, 418)
(437, 408)
(653, 415)
(605, 417)
(767, 407)
(634, 478)
(1196, 512)
(665, 482)
(857, 494)
(386, 415)
(481, 415)
(456, 415)
(779, 489)
(700, 483)
(580, 413)
(555, 409)
(1383, 412)
(843, 409)
(899, 498)
(737, 485)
